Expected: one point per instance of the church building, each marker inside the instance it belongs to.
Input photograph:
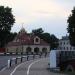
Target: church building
(27, 43)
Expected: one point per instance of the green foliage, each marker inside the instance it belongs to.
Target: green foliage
(10, 37)
(51, 39)
(6, 22)
(37, 31)
(54, 42)
(46, 37)
(71, 27)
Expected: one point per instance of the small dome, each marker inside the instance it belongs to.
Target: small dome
(22, 30)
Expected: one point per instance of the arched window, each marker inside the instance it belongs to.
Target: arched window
(28, 49)
(36, 50)
(44, 50)
(36, 40)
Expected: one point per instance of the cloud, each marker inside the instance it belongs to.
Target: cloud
(41, 13)
(25, 10)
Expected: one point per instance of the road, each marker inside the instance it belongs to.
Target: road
(4, 59)
(33, 67)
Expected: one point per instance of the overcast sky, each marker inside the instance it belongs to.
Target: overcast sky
(51, 15)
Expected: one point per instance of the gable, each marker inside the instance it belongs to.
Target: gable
(36, 40)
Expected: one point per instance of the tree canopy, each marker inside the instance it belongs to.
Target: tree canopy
(51, 39)
(54, 41)
(71, 27)
(37, 31)
(6, 22)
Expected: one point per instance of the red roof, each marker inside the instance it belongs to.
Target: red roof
(25, 39)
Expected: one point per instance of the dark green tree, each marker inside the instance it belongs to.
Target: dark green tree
(71, 27)
(11, 36)
(6, 22)
(51, 39)
(54, 42)
(46, 37)
(38, 31)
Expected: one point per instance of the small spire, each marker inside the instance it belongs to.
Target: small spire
(23, 29)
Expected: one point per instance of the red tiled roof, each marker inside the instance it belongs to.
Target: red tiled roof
(25, 39)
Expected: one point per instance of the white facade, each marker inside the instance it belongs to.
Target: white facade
(64, 44)
(24, 50)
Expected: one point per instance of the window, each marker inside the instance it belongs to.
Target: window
(44, 50)
(28, 49)
(64, 43)
(36, 50)
(70, 48)
(36, 40)
(67, 48)
(64, 48)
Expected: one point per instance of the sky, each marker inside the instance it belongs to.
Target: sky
(50, 15)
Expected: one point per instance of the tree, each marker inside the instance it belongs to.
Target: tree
(51, 39)
(71, 27)
(38, 31)
(54, 42)
(6, 22)
(11, 36)
(46, 37)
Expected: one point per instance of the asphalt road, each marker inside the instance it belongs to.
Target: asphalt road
(4, 59)
(33, 67)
